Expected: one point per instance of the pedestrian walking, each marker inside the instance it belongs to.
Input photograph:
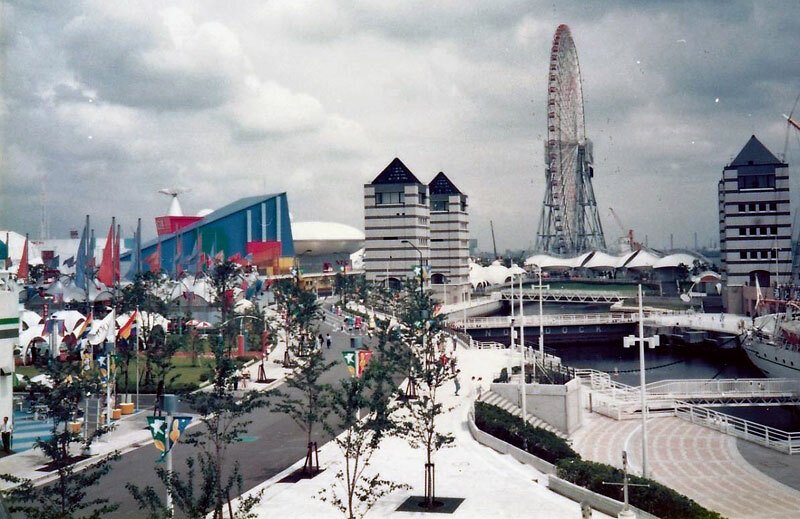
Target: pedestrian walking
(328, 340)
(457, 381)
(159, 405)
(321, 341)
(6, 429)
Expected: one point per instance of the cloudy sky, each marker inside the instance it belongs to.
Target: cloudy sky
(106, 102)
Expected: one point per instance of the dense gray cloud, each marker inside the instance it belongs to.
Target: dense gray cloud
(106, 102)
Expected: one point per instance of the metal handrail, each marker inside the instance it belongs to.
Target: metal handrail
(765, 435)
(550, 320)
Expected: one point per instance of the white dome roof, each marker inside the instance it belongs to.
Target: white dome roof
(326, 238)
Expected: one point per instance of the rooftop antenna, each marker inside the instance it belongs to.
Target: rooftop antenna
(174, 206)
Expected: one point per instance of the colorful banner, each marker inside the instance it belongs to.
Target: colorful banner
(364, 357)
(356, 361)
(159, 429)
(350, 361)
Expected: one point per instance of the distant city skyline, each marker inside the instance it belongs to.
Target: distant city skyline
(106, 103)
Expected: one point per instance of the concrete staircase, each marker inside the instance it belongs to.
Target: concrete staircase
(494, 399)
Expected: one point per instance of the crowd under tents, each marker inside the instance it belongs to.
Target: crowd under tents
(641, 260)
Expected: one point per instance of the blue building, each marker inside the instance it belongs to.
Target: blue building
(255, 228)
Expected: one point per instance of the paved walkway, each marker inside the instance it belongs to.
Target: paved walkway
(493, 484)
(696, 461)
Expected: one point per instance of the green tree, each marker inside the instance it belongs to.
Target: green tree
(223, 278)
(210, 482)
(356, 488)
(299, 310)
(66, 497)
(312, 407)
(420, 335)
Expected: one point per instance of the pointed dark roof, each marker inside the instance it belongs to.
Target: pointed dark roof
(396, 173)
(754, 154)
(441, 185)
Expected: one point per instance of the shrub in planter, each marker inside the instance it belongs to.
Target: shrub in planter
(656, 498)
(504, 426)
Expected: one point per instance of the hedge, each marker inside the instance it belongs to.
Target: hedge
(656, 499)
(503, 425)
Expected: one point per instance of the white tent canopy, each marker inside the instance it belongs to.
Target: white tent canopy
(601, 260)
(643, 259)
(16, 242)
(496, 273)
(675, 260)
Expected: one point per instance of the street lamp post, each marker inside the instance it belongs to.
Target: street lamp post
(652, 342)
(411, 388)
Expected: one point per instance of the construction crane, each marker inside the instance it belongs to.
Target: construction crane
(627, 235)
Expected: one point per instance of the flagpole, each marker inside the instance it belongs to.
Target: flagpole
(139, 246)
(138, 331)
(86, 263)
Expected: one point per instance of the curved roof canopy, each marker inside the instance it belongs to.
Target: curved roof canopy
(642, 259)
(675, 260)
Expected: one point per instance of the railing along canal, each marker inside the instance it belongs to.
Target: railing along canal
(771, 437)
(549, 320)
(669, 397)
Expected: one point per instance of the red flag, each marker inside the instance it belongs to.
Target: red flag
(154, 260)
(106, 273)
(22, 270)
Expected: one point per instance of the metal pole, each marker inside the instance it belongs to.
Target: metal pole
(643, 390)
(170, 506)
(86, 420)
(511, 328)
(138, 333)
(522, 350)
(108, 388)
(541, 315)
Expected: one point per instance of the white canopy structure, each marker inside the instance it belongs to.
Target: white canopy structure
(516, 270)
(16, 242)
(601, 260)
(477, 275)
(707, 276)
(496, 273)
(675, 260)
(148, 320)
(547, 262)
(643, 259)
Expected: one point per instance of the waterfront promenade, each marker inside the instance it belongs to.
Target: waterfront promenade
(696, 461)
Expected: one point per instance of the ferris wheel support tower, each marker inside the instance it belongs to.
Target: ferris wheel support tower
(569, 221)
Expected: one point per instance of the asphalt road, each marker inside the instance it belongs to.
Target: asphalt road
(274, 442)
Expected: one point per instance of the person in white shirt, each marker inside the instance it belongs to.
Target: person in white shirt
(6, 430)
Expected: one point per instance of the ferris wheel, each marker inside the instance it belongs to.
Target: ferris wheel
(569, 221)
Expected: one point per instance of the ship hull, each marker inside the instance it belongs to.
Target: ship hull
(773, 361)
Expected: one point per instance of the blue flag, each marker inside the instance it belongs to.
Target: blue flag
(81, 280)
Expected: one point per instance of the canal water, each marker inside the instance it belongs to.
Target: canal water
(667, 362)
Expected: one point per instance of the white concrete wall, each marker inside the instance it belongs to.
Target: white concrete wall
(558, 405)
(9, 335)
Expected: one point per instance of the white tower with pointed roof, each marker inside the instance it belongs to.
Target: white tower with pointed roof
(755, 224)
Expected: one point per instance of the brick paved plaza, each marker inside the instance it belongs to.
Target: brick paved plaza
(696, 461)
